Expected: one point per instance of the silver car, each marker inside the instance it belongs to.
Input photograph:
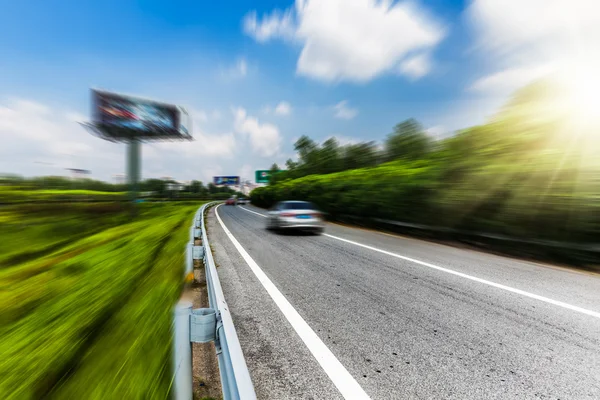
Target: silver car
(295, 215)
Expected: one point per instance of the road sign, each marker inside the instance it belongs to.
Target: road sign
(262, 176)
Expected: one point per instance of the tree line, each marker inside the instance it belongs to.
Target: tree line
(531, 171)
(161, 188)
(408, 141)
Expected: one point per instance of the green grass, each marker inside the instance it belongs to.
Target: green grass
(91, 319)
(16, 196)
(28, 231)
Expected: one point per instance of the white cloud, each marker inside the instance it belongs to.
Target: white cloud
(507, 25)
(242, 67)
(237, 71)
(277, 24)
(525, 40)
(264, 137)
(506, 80)
(40, 140)
(70, 148)
(211, 171)
(204, 144)
(210, 145)
(342, 111)
(216, 114)
(283, 108)
(198, 115)
(344, 140)
(246, 173)
(353, 40)
(416, 67)
(437, 132)
(214, 145)
(28, 119)
(75, 117)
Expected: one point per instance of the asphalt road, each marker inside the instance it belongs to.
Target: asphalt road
(401, 318)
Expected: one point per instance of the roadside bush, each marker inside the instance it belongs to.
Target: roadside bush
(388, 191)
(492, 200)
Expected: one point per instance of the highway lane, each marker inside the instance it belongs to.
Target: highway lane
(402, 329)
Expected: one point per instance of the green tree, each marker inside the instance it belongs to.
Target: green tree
(273, 172)
(212, 189)
(308, 155)
(196, 187)
(305, 147)
(328, 157)
(408, 141)
(291, 165)
(153, 185)
(359, 155)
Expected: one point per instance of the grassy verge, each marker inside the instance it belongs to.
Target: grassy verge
(92, 319)
(26, 196)
(28, 231)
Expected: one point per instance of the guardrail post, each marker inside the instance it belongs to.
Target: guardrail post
(182, 368)
(208, 324)
(189, 258)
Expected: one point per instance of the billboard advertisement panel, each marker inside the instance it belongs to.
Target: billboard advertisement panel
(119, 113)
(226, 180)
(184, 121)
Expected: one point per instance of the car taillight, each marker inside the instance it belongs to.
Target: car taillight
(287, 214)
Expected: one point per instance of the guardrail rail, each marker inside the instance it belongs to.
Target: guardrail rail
(207, 324)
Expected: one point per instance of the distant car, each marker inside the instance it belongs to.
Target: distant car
(300, 215)
(242, 201)
(230, 201)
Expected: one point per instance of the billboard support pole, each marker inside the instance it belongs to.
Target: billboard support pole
(133, 168)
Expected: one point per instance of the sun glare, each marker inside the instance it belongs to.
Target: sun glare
(583, 97)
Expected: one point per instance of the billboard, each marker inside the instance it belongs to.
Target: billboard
(184, 121)
(262, 176)
(226, 180)
(121, 115)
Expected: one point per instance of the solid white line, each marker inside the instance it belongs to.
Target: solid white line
(339, 375)
(474, 278)
(253, 212)
(466, 276)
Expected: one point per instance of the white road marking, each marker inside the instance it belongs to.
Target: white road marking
(339, 375)
(253, 212)
(474, 278)
(466, 276)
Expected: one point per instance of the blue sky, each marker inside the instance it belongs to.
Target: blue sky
(345, 68)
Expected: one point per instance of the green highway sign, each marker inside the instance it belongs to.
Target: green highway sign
(262, 176)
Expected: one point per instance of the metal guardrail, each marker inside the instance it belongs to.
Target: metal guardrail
(592, 247)
(207, 324)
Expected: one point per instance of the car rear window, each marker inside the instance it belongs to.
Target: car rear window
(298, 205)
